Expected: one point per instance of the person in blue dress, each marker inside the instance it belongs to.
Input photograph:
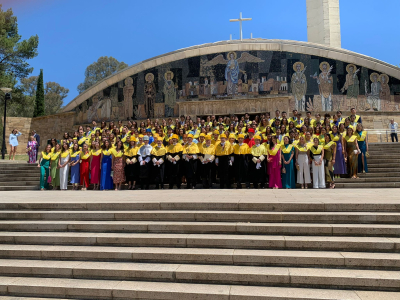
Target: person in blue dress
(288, 173)
(106, 181)
(75, 166)
(13, 141)
(362, 139)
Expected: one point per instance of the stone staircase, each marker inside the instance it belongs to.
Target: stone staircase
(383, 166)
(18, 176)
(218, 244)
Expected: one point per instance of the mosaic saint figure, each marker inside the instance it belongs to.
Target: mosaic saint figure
(373, 98)
(385, 88)
(149, 95)
(232, 70)
(325, 84)
(352, 85)
(299, 85)
(128, 102)
(92, 111)
(169, 94)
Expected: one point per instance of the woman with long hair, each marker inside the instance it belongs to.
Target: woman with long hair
(106, 182)
(85, 166)
(63, 165)
(329, 156)
(274, 163)
(44, 165)
(131, 164)
(75, 167)
(318, 168)
(31, 149)
(95, 165)
(339, 163)
(352, 152)
(303, 163)
(118, 164)
(288, 175)
(362, 140)
(54, 169)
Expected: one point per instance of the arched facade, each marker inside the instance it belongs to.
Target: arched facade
(243, 76)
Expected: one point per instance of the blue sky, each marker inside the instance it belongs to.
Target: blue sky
(73, 34)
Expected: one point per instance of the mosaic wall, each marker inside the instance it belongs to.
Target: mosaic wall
(314, 84)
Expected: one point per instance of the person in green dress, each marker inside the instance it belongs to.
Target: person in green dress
(329, 156)
(54, 169)
(288, 174)
(44, 165)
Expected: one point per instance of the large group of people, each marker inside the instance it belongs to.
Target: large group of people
(276, 152)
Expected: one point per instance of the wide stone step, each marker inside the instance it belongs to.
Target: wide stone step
(19, 173)
(324, 200)
(20, 183)
(322, 243)
(19, 188)
(116, 289)
(368, 179)
(362, 185)
(381, 169)
(375, 174)
(216, 274)
(248, 257)
(25, 177)
(205, 216)
(202, 227)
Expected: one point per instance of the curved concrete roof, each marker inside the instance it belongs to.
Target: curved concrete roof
(237, 45)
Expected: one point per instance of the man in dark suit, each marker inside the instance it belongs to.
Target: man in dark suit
(37, 137)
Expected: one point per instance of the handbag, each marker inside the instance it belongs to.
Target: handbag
(355, 152)
(112, 174)
(366, 154)
(283, 170)
(49, 179)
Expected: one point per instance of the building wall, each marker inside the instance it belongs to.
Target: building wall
(47, 127)
(316, 83)
(21, 124)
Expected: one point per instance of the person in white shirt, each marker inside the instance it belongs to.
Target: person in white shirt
(393, 127)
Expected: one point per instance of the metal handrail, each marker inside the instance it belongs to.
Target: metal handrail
(386, 132)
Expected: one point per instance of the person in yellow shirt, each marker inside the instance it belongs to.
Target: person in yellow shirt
(257, 163)
(216, 139)
(223, 153)
(206, 159)
(189, 157)
(131, 164)
(173, 162)
(241, 154)
(158, 158)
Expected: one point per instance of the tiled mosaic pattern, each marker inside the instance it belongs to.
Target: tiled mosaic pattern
(314, 83)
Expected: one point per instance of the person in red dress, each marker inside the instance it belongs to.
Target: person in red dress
(250, 139)
(95, 165)
(84, 166)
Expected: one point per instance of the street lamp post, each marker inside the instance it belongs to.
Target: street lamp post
(6, 97)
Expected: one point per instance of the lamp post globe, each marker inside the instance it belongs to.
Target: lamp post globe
(7, 96)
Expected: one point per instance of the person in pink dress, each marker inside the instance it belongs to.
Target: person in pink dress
(95, 165)
(274, 164)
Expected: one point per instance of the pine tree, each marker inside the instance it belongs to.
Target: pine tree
(39, 103)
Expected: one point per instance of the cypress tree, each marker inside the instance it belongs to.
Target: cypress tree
(39, 102)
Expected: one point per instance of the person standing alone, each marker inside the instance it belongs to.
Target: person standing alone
(393, 127)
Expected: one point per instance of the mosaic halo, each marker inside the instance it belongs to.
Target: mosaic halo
(149, 77)
(298, 63)
(386, 77)
(348, 68)
(324, 63)
(372, 76)
(169, 72)
(229, 55)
